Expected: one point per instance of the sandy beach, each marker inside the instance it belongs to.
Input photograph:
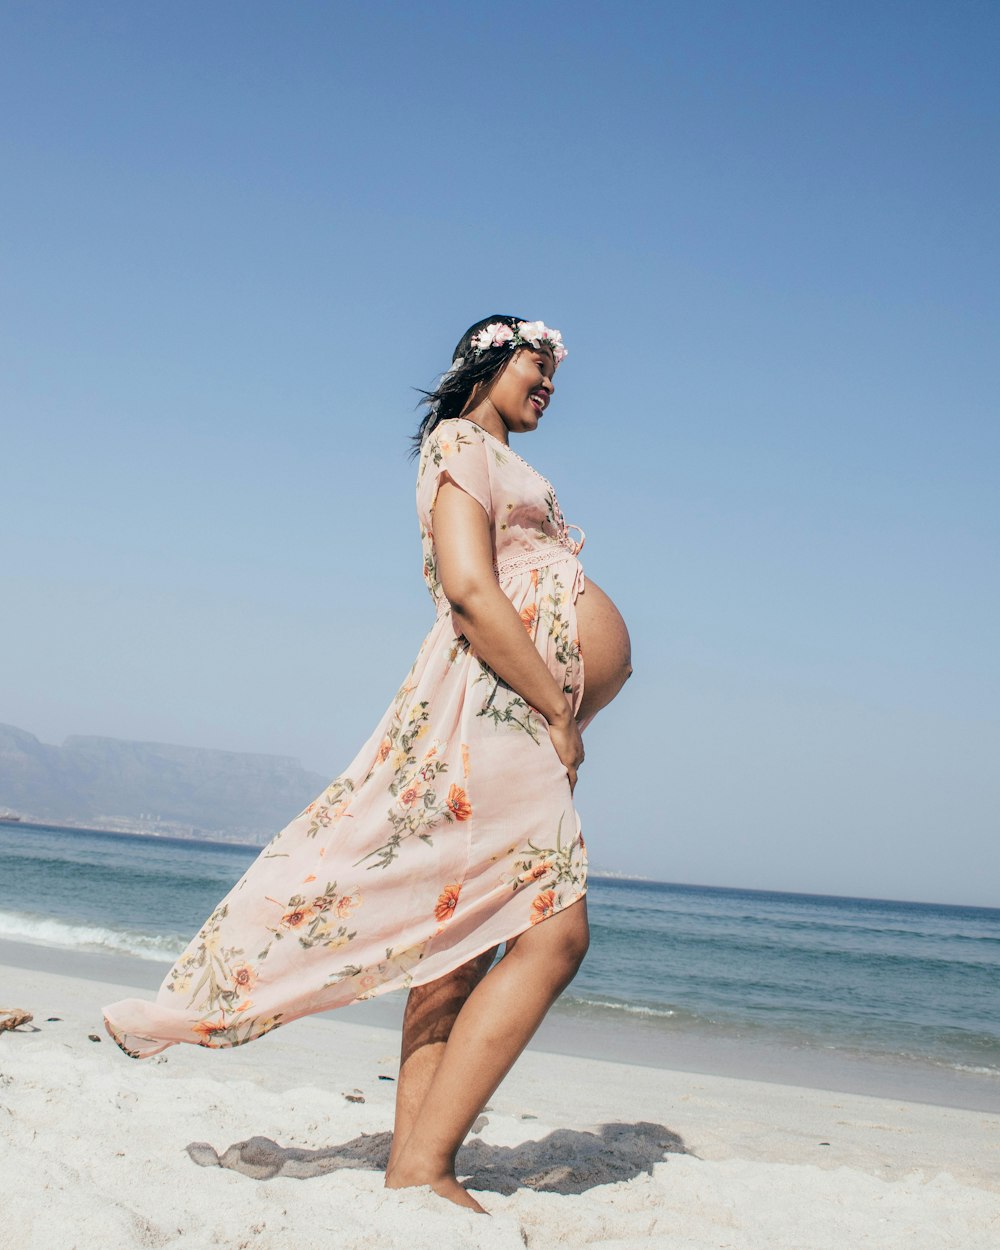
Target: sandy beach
(280, 1144)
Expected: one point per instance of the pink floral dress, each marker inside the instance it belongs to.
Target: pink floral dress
(453, 829)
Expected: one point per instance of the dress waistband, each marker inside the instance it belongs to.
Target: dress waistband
(564, 548)
(540, 558)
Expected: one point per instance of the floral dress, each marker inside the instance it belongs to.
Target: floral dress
(453, 830)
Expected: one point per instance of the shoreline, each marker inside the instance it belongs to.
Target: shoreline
(599, 874)
(571, 1152)
(574, 1032)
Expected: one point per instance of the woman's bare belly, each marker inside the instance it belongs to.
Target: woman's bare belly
(607, 651)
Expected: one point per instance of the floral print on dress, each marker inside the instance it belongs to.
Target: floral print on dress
(452, 831)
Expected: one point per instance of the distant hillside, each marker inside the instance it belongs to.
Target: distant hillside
(95, 779)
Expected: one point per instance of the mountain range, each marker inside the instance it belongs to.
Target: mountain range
(115, 783)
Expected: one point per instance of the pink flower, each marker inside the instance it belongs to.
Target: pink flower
(495, 335)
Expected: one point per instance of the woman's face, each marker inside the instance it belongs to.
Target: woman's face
(522, 392)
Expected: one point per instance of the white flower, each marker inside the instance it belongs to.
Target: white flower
(532, 331)
(539, 335)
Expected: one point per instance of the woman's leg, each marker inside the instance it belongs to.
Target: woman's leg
(431, 1012)
(492, 1028)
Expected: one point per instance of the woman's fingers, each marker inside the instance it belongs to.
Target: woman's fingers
(569, 747)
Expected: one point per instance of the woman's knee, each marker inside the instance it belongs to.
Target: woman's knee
(558, 945)
(564, 962)
(577, 944)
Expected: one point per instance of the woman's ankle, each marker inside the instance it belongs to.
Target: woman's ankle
(410, 1168)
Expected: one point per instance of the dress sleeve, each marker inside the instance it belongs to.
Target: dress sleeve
(459, 453)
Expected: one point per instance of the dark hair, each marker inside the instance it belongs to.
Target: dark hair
(455, 388)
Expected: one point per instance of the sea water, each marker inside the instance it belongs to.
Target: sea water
(914, 983)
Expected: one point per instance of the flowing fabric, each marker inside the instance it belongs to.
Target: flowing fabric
(453, 829)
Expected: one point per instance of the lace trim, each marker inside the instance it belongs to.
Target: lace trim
(540, 558)
(537, 559)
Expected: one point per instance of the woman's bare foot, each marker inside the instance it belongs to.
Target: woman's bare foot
(446, 1186)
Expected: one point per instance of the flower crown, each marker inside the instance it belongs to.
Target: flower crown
(537, 333)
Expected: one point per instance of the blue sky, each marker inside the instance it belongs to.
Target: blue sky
(236, 236)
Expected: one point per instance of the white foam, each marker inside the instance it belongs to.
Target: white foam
(48, 931)
(629, 1007)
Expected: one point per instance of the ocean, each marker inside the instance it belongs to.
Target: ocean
(773, 985)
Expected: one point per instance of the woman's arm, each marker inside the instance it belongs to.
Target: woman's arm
(489, 621)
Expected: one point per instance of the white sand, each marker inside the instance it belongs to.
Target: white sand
(94, 1157)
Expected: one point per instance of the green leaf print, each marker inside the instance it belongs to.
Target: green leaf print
(503, 707)
(555, 865)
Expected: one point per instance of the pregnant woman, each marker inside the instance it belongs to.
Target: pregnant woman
(454, 830)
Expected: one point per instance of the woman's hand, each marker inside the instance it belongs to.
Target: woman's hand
(565, 736)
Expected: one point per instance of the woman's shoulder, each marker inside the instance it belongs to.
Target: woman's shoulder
(459, 427)
(452, 439)
(453, 436)
(456, 435)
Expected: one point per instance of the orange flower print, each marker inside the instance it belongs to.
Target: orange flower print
(537, 871)
(528, 616)
(385, 746)
(207, 1029)
(458, 803)
(447, 449)
(346, 903)
(295, 919)
(444, 909)
(543, 906)
(410, 795)
(465, 759)
(534, 578)
(244, 978)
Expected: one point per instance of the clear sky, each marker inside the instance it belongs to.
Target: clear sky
(235, 235)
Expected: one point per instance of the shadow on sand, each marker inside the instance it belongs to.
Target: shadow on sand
(567, 1161)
